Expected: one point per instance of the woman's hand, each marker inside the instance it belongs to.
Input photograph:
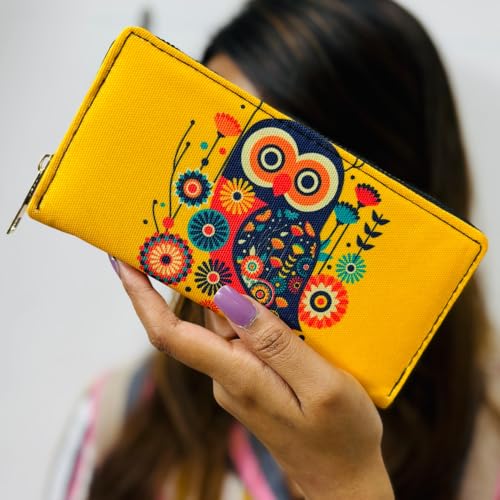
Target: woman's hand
(316, 420)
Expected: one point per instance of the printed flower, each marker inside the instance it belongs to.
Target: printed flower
(252, 266)
(262, 292)
(166, 257)
(193, 188)
(237, 196)
(295, 284)
(350, 268)
(346, 213)
(279, 285)
(323, 302)
(367, 195)
(209, 304)
(212, 275)
(227, 125)
(305, 266)
(208, 230)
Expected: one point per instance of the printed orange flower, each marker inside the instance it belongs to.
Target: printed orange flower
(323, 302)
(237, 196)
(166, 257)
(252, 266)
(227, 125)
(210, 304)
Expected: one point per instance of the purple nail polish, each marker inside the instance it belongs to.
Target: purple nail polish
(235, 306)
(115, 264)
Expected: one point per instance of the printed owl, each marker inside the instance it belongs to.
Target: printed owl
(276, 194)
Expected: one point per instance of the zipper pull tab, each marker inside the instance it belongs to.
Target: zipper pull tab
(44, 163)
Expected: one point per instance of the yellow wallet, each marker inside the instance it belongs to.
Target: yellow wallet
(178, 172)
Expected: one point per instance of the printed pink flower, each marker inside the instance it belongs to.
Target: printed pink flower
(367, 195)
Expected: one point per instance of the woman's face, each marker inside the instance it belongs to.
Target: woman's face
(226, 68)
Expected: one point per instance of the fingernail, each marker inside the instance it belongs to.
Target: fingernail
(114, 263)
(235, 306)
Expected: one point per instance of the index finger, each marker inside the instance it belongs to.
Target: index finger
(189, 343)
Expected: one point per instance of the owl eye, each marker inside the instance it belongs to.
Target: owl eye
(315, 185)
(265, 152)
(307, 181)
(271, 158)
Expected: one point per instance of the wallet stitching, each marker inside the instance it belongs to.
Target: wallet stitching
(310, 138)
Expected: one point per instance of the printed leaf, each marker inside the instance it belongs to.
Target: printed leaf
(264, 216)
(379, 219)
(324, 244)
(323, 257)
(284, 233)
(252, 250)
(240, 242)
(263, 257)
(260, 227)
(289, 214)
(239, 259)
(309, 229)
(279, 213)
(370, 232)
(361, 244)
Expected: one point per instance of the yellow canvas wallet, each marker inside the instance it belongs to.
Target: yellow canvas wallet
(185, 176)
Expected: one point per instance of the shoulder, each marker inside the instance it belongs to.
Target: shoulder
(482, 472)
(93, 425)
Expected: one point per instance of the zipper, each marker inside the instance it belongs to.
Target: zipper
(42, 166)
(410, 186)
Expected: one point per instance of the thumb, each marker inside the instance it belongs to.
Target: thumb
(270, 339)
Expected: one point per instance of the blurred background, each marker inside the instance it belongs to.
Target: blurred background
(65, 318)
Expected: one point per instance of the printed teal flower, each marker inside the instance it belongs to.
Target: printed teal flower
(279, 285)
(193, 188)
(208, 230)
(350, 268)
(346, 213)
(305, 266)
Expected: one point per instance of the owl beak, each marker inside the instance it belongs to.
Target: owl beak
(281, 184)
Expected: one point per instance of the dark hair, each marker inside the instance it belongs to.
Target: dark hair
(365, 74)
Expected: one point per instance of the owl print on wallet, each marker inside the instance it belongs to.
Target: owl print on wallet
(266, 217)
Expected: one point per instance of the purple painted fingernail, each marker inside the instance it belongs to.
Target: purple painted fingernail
(115, 264)
(235, 306)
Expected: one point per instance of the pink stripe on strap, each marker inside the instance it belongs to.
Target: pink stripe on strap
(497, 489)
(75, 485)
(247, 465)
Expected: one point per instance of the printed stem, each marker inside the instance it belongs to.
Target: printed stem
(367, 238)
(154, 216)
(361, 164)
(333, 231)
(176, 162)
(235, 144)
(334, 247)
(204, 161)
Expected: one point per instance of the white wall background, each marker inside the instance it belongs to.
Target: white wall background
(63, 315)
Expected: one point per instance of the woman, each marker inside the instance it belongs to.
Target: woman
(367, 75)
